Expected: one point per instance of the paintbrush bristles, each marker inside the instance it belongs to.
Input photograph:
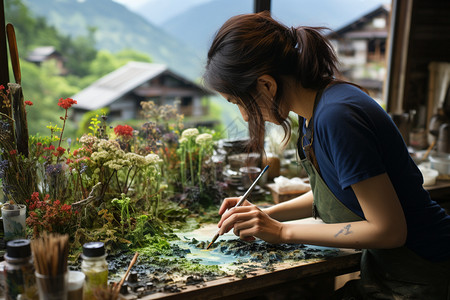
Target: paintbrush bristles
(50, 254)
(50, 260)
(213, 240)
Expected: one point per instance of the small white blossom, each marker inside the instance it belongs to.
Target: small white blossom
(203, 138)
(136, 159)
(152, 159)
(99, 156)
(88, 139)
(115, 166)
(190, 132)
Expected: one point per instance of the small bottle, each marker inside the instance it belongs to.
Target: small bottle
(20, 281)
(95, 267)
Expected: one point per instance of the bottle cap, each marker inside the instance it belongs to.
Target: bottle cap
(94, 249)
(18, 248)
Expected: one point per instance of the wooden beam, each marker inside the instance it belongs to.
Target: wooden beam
(261, 5)
(4, 74)
(398, 53)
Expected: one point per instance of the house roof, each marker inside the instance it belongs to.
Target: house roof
(119, 82)
(357, 25)
(39, 54)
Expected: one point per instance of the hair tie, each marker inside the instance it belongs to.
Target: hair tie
(294, 36)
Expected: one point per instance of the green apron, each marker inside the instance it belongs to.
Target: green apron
(385, 273)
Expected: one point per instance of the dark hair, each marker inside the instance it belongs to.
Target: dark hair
(251, 45)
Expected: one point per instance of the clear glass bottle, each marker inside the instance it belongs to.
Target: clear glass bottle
(95, 267)
(20, 281)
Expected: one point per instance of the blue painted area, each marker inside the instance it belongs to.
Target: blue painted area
(229, 250)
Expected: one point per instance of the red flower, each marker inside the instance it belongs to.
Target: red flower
(28, 103)
(35, 196)
(123, 130)
(61, 150)
(51, 147)
(13, 152)
(2, 87)
(66, 103)
(47, 215)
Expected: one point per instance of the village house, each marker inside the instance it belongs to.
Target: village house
(47, 53)
(122, 91)
(361, 49)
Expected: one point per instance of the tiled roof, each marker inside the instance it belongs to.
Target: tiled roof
(116, 84)
(39, 54)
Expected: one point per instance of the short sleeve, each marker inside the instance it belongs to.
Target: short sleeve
(349, 140)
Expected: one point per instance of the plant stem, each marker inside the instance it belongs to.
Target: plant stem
(199, 171)
(190, 163)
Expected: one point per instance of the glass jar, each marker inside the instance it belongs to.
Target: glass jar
(94, 267)
(20, 281)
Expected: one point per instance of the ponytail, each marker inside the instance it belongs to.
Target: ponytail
(317, 62)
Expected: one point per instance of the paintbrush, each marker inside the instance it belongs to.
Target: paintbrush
(245, 196)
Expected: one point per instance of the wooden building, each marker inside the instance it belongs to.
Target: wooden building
(361, 49)
(123, 90)
(47, 53)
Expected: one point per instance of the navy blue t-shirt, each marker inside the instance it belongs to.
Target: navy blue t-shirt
(355, 139)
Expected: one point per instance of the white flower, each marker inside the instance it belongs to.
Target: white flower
(88, 139)
(99, 156)
(203, 138)
(115, 164)
(135, 159)
(152, 159)
(190, 132)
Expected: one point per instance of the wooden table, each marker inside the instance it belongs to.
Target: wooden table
(262, 282)
(284, 276)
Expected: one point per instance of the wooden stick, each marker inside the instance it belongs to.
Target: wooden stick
(425, 156)
(133, 261)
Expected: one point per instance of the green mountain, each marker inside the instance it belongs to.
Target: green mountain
(116, 28)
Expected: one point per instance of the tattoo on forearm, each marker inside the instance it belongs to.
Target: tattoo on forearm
(345, 230)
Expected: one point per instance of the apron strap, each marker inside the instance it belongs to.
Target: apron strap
(307, 152)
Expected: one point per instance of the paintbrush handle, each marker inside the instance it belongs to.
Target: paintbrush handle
(250, 189)
(243, 198)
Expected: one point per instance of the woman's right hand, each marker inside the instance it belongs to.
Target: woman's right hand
(230, 203)
(248, 222)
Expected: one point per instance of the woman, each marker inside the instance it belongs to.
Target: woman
(365, 186)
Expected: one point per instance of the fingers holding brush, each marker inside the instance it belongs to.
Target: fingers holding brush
(230, 203)
(250, 222)
(233, 215)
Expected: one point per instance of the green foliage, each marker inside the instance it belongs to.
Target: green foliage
(106, 62)
(85, 124)
(32, 32)
(42, 84)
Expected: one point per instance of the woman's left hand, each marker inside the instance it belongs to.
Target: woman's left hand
(249, 222)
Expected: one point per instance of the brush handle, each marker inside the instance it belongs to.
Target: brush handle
(243, 198)
(250, 189)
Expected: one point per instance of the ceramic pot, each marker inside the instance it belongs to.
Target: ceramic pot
(14, 221)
